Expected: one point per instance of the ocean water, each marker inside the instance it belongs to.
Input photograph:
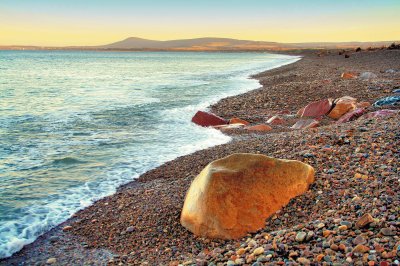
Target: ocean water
(76, 125)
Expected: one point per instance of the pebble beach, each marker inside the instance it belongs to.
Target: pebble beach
(349, 216)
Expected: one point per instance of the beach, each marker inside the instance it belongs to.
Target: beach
(357, 173)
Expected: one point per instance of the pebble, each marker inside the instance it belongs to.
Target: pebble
(67, 228)
(359, 240)
(301, 236)
(51, 261)
(387, 232)
(258, 251)
(360, 249)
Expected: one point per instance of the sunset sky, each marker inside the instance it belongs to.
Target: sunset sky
(96, 22)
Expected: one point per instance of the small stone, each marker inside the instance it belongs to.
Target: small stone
(51, 261)
(258, 251)
(320, 225)
(342, 228)
(387, 232)
(67, 228)
(303, 261)
(239, 261)
(230, 263)
(240, 251)
(360, 249)
(364, 220)
(334, 247)
(359, 240)
(347, 223)
(252, 243)
(310, 235)
(130, 229)
(53, 239)
(301, 236)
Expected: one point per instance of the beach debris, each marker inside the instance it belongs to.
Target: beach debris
(206, 119)
(391, 100)
(352, 115)
(276, 120)
(234, 195)
(316, 109)
(380, 113)
(341, 106)
(367, 75)
(236, 120)
(261, 127)
(305, 123)
(230, 126)
(349, 75)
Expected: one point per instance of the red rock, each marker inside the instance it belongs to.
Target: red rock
(342, 106)
(305, 123)
(380, 113)
(261, 127)
(364, 220)
(352, 115)
(276, 120)
(316, 109)
(349, 75)
(236, 120)
(205, 119)
(234, 195)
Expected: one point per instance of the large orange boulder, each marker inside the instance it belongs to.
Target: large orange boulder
(343, 105)
(316, 109)
(205, 119)
(234, 195)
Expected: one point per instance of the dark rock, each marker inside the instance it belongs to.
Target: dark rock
(391, 100)
(205, 119)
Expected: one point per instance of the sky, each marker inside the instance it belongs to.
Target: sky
(97, 22)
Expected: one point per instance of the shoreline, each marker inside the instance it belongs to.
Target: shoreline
(151, 203)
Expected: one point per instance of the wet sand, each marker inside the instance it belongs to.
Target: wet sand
(357, 172)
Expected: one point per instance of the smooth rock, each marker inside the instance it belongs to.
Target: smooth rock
(51, 261)
(363, 104)
(367, 75)
(234, 195)
(349, 75)
(360, 249)
(391, 100)
(206, 119)
(261, 127)
(387, 232)
(352, 115)
(258, 251)
(67, 228)
(316, 109)
(301, 236)
(364, 220)
(342, 106)
(380, 113)
(236, 120)
(305, 123)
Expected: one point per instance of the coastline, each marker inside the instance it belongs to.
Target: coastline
(152, 204)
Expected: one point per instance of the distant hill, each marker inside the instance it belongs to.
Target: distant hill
(189, 44)
(207, 44)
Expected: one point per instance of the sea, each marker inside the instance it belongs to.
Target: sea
(75, 125)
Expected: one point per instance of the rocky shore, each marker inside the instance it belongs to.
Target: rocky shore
(349, 216)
